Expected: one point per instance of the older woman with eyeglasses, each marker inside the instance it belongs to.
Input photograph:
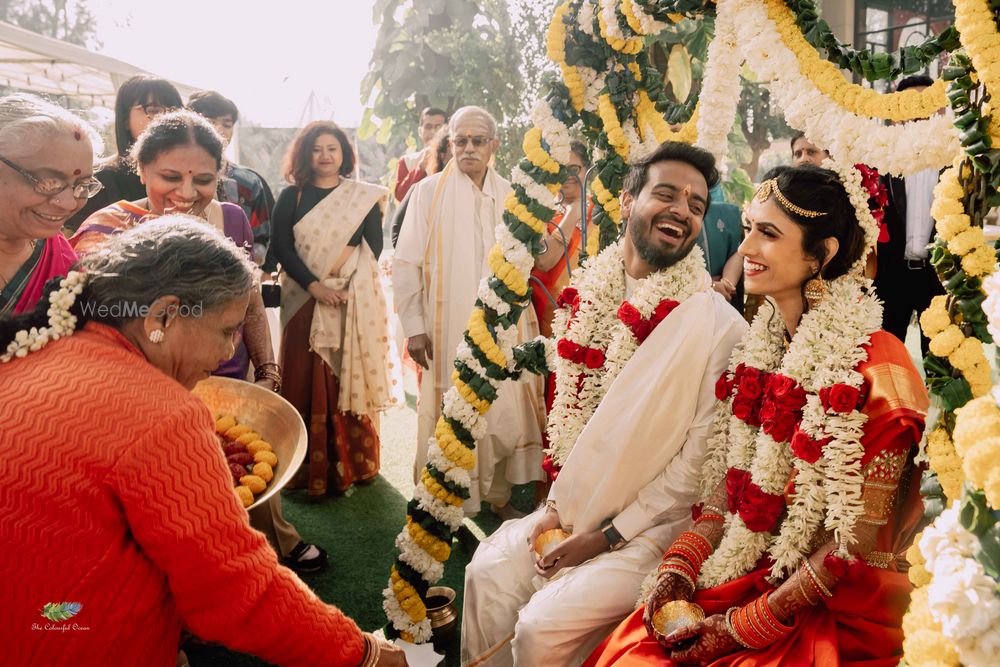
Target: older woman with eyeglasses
(46, 175)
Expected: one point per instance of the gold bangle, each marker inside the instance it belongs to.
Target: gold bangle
(815, 577)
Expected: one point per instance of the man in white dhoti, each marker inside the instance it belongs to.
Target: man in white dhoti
(630, 436)
(440, 258)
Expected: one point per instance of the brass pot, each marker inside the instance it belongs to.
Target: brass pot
(442, 614)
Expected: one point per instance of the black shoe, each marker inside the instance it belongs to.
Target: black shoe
(298, 561)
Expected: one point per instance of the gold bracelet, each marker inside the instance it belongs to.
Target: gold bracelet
(802, 589)
(815, 577)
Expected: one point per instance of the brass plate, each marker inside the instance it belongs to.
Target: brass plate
(265, 412)
(675, 615)
(549, 540)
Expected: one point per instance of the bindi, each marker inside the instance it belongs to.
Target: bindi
(77, 135)
(76, 172)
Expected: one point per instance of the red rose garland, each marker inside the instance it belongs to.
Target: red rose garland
(773, 402)
(878, 197)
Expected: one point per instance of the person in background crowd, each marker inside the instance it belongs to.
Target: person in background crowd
(806, 152)
(906, 281)
(327, 234)
(563, 239)
(439, 153)
(721, 236)
(448, 232)
(179, 157)
(239, 185)
(115, 490)
(412, 167)
(46, 175)
(140, 99)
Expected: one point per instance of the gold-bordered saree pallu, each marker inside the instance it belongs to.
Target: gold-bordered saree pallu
(335, 359)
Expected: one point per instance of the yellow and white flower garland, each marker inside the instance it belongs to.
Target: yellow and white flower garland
(904, 148)
(861, 101)
(961, 598)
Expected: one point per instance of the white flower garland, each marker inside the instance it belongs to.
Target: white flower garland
(585, 18)
(532, 188)
(961, 597)
(991, 305)
(851, 180)
(61, 321)
(554, 132)
(720, 91)
(903, 148)
(827, 346)
(601, 288)
(649, 25)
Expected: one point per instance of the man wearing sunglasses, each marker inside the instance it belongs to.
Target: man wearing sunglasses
(440, 258)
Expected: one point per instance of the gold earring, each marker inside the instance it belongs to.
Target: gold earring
(815, 291)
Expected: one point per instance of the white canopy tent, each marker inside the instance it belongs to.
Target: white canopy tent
(40, 64)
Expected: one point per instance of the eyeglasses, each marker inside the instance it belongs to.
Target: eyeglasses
(150, 109)
(50, 187)
(574, 169)
(478, 142)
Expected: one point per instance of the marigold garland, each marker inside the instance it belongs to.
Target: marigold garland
(906, 105)
(612, 93)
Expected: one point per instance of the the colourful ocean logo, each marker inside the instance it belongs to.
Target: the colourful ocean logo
(61, 611)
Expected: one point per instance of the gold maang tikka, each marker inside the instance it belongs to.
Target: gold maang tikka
(770, 187)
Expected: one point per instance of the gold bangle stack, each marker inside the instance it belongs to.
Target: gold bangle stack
(270, 371)
(373, 651)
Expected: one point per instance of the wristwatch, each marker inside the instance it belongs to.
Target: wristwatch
(611, 534)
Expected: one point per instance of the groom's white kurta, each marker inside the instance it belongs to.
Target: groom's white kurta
(440, 258)
(638, 461)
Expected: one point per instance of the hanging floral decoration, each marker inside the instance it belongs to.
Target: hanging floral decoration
(613, 96)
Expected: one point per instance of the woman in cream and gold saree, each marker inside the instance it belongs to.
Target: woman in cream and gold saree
(335, 341)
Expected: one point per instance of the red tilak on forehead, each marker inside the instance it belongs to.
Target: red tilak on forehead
(77, 135)
(76, 172)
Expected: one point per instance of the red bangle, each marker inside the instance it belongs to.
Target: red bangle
(709, 517)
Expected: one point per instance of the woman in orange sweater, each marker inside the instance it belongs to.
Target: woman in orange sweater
(116, 497)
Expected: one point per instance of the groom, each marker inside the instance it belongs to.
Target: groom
(632, 473)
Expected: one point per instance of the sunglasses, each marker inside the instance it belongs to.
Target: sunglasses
(50, 187)
(478, 142)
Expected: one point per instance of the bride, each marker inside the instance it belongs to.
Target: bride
(810, 495)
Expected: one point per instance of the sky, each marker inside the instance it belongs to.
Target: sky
(265, 56)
